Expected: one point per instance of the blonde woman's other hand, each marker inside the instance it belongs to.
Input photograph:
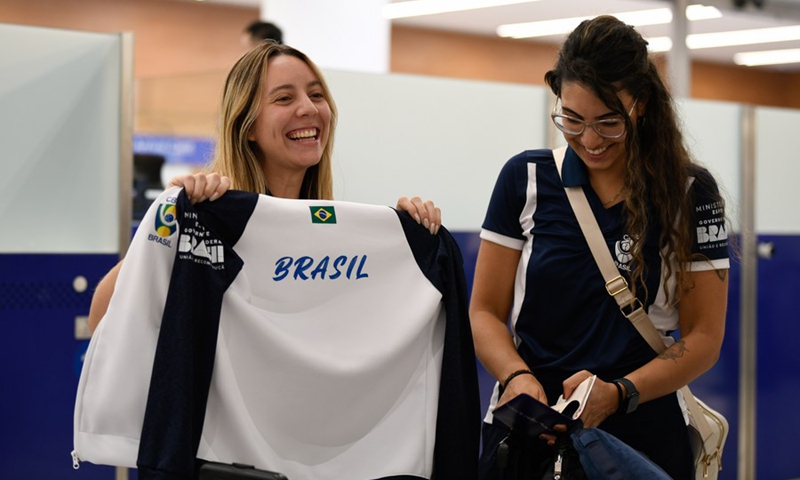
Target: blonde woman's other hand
(424, 212)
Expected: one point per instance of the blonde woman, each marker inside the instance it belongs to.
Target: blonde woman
(277, 125)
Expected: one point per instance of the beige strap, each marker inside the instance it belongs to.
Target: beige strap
(617, 287)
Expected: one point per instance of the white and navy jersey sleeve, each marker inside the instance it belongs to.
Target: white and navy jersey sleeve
(110, 402)
(439, 257)
(502, 224)
(205, 265)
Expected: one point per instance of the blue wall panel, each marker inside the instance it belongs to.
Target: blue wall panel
(719, 387)
(40, 360)
(778, 377)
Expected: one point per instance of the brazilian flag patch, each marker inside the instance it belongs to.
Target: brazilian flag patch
(323, 214)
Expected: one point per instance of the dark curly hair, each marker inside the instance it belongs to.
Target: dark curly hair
(607, 56)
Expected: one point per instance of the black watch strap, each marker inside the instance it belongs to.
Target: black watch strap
(630, 400)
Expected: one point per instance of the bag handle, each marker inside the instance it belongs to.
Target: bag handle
(617, 287)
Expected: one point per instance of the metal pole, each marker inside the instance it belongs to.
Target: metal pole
(125, 161)
(679, 65)
(126, 142)
(748, 314)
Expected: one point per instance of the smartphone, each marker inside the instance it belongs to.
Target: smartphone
(236, 471)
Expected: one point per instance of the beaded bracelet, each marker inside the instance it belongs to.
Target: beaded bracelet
(515, 374)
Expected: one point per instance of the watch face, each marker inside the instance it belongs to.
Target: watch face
(631, 400)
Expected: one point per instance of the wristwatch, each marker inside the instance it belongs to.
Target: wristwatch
(630, 400)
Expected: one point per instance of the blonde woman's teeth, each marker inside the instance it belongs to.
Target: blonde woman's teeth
(303, 134)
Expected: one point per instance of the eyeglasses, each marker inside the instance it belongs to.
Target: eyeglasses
(606, 128)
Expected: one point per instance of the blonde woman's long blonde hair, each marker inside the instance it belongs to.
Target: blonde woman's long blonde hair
(239, 158)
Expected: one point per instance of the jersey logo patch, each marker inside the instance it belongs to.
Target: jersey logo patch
(712, 233)
(323, 214)
(205, 251)
(166, 220)
(622, 250)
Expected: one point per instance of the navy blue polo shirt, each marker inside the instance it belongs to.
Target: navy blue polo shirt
(563, 319)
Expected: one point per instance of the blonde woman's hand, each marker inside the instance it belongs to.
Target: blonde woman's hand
(424, 212)
(200, 187)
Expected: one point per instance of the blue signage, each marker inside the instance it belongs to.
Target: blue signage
(176, 149)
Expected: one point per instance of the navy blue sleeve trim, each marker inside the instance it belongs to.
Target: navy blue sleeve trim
(458, 422)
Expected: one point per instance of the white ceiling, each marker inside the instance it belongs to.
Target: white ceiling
(772, 13)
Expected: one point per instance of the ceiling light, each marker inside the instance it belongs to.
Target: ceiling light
(640, 18)
(743, 37)
(416, 8)
(730, 39)
(659, 44)
(702, 12)
(767, 57)
(565, 25)
(539, 29)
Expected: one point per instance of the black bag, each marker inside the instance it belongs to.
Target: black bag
(225, 471)
(522, 457)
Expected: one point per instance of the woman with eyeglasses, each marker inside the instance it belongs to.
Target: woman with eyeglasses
(663, 219)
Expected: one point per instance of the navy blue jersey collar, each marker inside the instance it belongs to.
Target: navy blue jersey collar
(573, 171)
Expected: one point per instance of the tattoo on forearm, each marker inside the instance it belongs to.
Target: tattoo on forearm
(722, 274)
(674, 352)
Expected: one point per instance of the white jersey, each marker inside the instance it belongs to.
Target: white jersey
(336, 332)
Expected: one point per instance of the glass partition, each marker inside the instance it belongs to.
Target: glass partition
(60, 137)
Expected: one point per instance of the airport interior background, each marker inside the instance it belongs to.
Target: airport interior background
(444, 113)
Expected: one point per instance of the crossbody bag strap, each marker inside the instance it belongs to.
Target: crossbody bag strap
(617, 286)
